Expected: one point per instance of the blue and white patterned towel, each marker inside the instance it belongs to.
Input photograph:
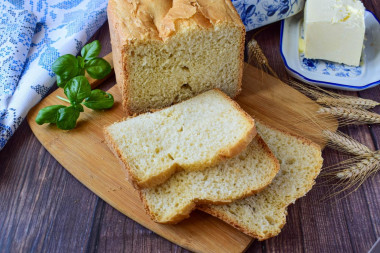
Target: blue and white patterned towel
(33, 34)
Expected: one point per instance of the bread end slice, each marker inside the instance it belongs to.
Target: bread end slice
(263, 215)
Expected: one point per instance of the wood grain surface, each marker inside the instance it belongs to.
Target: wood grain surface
(45, 209)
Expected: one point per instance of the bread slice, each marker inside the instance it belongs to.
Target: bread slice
(237, 177)
(263, 215)
(191, 135)
(168, 51)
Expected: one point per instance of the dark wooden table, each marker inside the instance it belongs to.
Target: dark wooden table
(45, 209)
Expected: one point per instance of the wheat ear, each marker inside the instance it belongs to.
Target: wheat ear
(351, 116)
(341, 142)
(325, 97)
(352, 173)
(256, 56)
(358, 103)
(359, 172)
(364, 167)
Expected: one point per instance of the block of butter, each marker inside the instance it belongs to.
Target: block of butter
(334, 30)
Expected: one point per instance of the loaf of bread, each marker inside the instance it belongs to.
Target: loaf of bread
(263, 215)
(166, 51)
(192, 135)
(235, 178)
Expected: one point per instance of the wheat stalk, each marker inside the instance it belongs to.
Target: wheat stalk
(360, 169)
(358, 103)
(329, 98)
(351, 116)
(305, 90)
(352, 173)
(357, 173)
(256, 55)
(342, 142)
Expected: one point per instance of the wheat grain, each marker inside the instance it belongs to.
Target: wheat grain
(359, 170)
(351, 116)
(342, 142)
(256, 56)
(353, 172)
(352, 102)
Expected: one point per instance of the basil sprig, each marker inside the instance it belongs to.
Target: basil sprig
(70, 76)
(99, 100)
(69, 66)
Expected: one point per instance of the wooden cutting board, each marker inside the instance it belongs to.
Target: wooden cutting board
(84, 154)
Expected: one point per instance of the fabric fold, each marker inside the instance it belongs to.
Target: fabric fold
(33, 34)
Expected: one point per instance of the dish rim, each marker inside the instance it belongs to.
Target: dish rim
(366, 86)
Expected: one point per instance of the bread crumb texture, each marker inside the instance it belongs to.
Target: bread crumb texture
(235, 178)
(191, 135)
(173, 50)
(263, 215)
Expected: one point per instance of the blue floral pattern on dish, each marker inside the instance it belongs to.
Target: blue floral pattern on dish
(257, 13)
(327, 67)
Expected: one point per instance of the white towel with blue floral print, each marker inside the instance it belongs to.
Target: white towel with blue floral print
(33, 34)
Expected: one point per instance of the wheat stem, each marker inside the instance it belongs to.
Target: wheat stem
(351, 116)
(305, 90)
(329, 98)
(357, 103)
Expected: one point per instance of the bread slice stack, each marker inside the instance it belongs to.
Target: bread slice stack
(204, 153)
(237, 177)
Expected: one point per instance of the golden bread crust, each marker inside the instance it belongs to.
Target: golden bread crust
(199, 203)
(223, 154)
(145, 20)
(135, 22)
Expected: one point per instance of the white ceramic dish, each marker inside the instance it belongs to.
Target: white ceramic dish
(257, 13)
(329, 74)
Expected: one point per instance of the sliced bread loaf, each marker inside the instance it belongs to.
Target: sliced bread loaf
(192, 135)
(263, 215)
(168, 51)
(237, 177)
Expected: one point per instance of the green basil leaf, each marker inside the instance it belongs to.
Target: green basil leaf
(79, 107)
(67, 118)
(66, 66)
(81, 72)
(77, 89)
(98, 68)
(48, 114)
(80, 61)
(91, 50)
(61, 81)
(99, 100)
